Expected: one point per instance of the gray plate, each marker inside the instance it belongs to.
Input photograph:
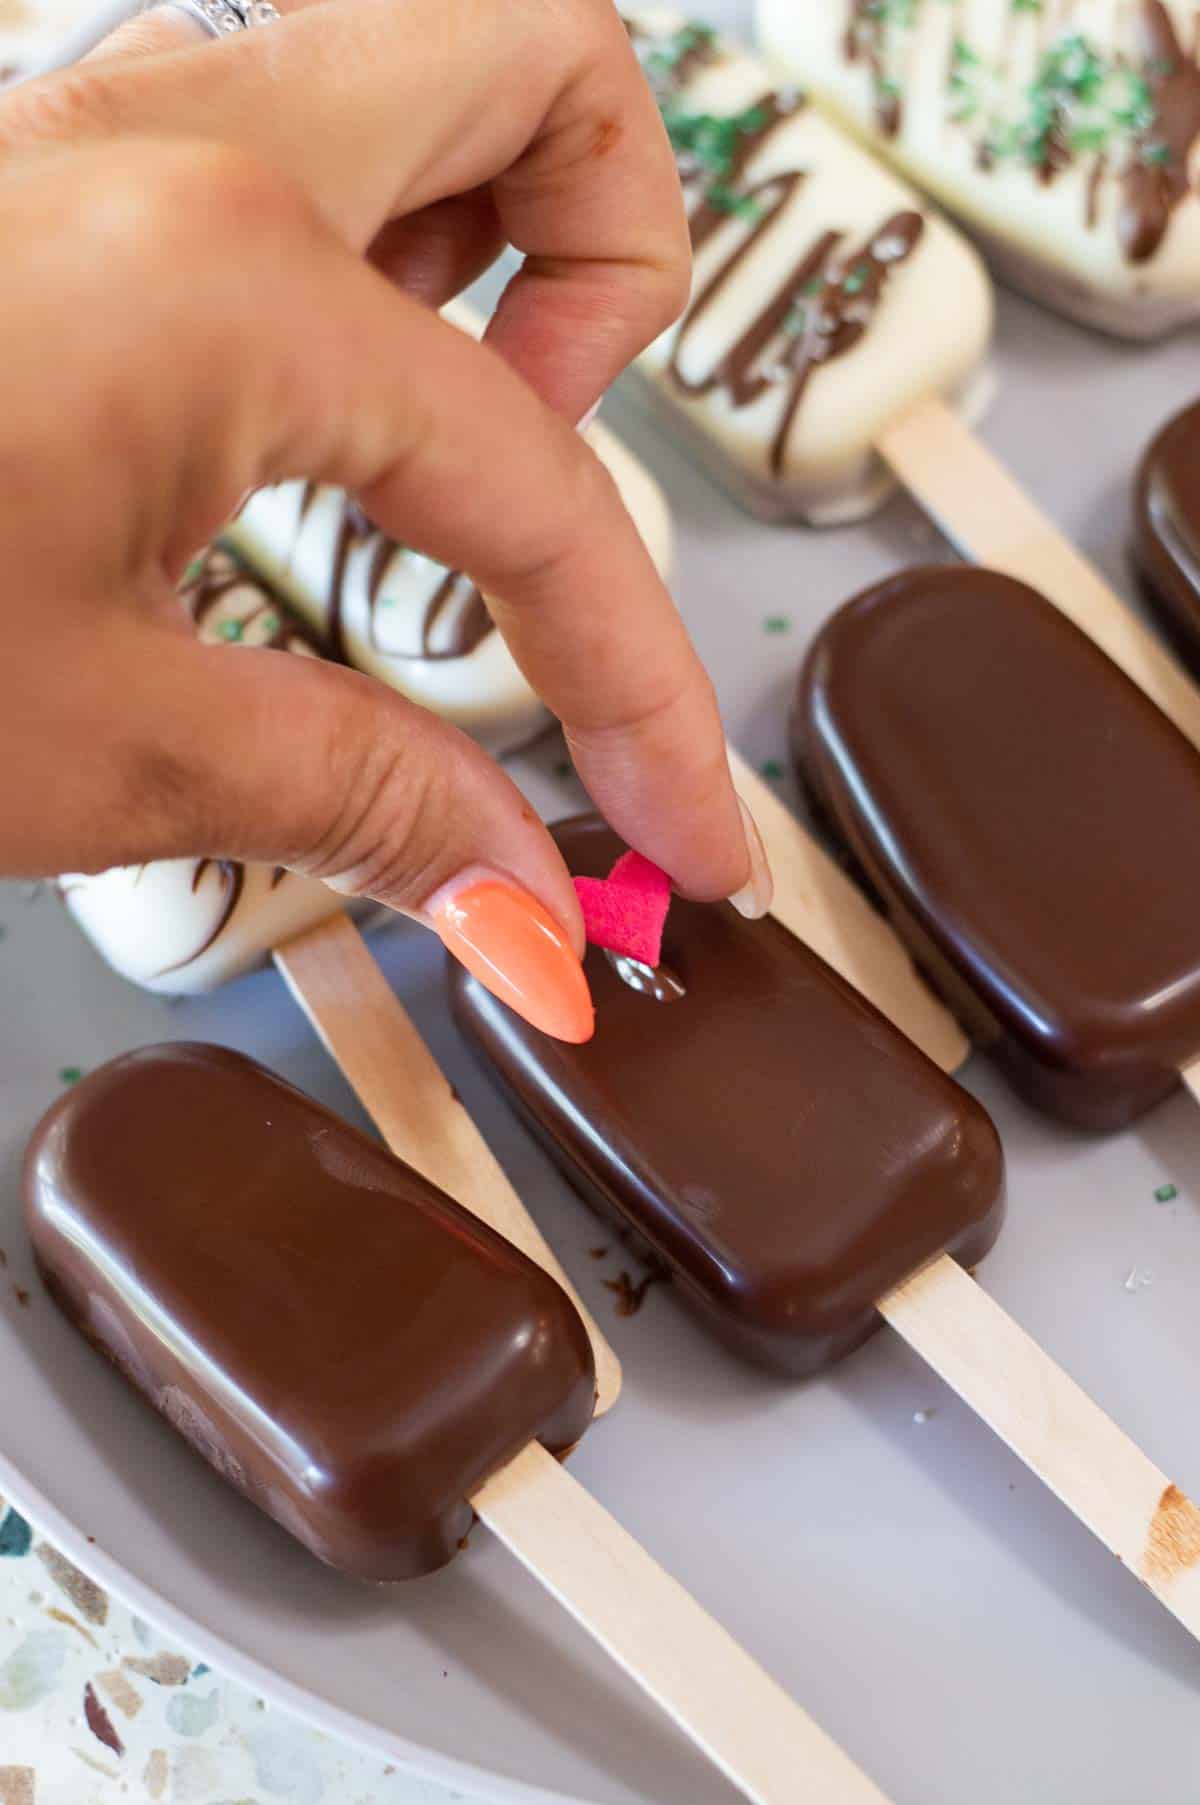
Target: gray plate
(937, 1611)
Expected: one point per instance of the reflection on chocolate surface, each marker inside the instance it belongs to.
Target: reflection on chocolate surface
(337, 1338)
(1031, 821)
(770, 1138)
(1166, 517)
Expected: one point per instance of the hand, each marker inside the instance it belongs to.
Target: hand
(221, 259)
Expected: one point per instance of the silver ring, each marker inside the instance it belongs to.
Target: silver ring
(221, 18)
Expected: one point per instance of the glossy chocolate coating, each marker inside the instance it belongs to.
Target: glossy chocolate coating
(768, 1136)
(336, 1337)
(1166, 528)
(1031, 822)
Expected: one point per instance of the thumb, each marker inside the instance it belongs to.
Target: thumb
(330, 773)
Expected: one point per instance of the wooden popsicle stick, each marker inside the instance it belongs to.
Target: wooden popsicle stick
(1055, 1428)
(968, 1340)
(722, 1699)
(820, 905)
(745, 1723)
(990, 519)
(1191, 1078)
(365, 1028)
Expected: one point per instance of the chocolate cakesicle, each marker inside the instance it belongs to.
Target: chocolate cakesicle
(801, 1171)
(338, 1339)
(369, 1364)
(1031, 822)
(826, 298)
(1166, 529)
(670, 1120)
(180, 926)
(1065, 135)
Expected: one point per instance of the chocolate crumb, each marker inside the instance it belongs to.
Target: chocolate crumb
(598, 1253)
(630, 1296)
(22, 1296)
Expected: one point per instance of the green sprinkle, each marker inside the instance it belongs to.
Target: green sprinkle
(1155, 153)
(194, 571)
(777, 623)
(70, 1074)
(1027, 6)
(856, 281)
(726, 201)
(230, 629)
(771, 769)
(663, 59)
(270, 623)
(1166, 1194)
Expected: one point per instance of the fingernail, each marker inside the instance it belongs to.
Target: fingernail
(510, 941)
(755, 897)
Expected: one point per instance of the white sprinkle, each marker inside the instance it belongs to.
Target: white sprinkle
(924, 1416)
(889, 246)
(1137, 1280)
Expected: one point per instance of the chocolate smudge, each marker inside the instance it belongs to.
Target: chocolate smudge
(1173, 1545)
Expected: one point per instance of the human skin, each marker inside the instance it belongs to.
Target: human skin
(222, 260)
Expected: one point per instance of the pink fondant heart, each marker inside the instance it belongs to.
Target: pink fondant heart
(627, 910)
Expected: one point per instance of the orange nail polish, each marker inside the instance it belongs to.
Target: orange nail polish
(513, 945)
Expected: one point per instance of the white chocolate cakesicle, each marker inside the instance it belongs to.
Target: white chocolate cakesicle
(400, 617)
(186, 925)
(826, 299)
(180, 926)
(1064, 133)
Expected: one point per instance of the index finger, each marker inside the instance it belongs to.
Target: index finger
(502, 488)
(378, 110)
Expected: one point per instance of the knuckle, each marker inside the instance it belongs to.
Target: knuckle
(578, 492)
(389, 839)
(233, 190)
(141, 208)
(74, 104)
(667, 284)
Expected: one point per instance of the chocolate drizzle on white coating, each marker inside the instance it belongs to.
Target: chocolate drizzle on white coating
(827, 300)
(453, 623)
(1129, 104)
